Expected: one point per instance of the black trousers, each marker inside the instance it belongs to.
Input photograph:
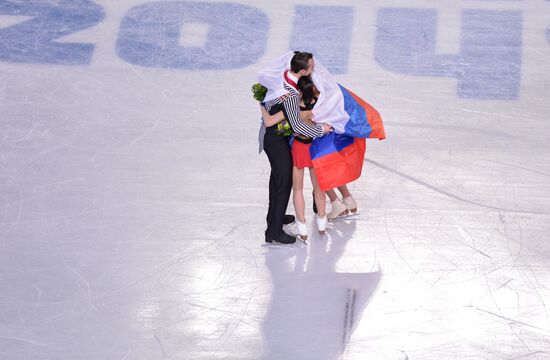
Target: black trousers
(280, 181)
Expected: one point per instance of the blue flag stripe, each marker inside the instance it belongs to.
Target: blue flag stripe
(358, 125)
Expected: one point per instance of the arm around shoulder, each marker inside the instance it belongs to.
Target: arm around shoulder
(270, 120)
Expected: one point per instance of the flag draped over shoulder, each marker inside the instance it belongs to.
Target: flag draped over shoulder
(337, 157)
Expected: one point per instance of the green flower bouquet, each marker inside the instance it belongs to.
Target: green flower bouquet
(259, 91)
(283, 127)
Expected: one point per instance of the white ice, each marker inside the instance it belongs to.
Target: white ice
(133, 203)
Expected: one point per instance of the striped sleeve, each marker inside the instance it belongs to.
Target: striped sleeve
(268, 105)
(292, 108)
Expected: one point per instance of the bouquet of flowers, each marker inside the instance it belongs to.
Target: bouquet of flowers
(259, 91)
(283, 127)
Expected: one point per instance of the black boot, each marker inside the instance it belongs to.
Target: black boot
(282, 238)
(289, 219)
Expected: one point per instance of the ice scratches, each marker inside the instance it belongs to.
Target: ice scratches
(127, 353)
(506, 283)
(507, 319)
(526, 355)
(520, 246)
(537, 291)
(501, 314)
(161, 347)
(240, 315)
(21, 339)
(145, 133)
(519, 242)
(180, 257)
(87, 290)
(525, 277)
(39, 297)
(12, 224)
(467, 237)
(517, 167)
(256, 282)
(415, 271)
(446, 193)
(240, 320)
(446, 128)
(213, 245)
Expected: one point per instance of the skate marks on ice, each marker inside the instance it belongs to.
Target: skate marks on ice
(314, 310)
(449, 194)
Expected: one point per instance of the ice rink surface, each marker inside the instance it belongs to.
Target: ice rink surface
(133, 198)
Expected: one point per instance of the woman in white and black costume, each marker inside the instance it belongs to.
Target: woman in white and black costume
(283, 95)
(301, 159)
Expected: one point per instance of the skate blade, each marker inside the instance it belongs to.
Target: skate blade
(348, 216)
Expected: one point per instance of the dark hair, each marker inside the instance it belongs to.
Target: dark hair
(307, 88)
(300, 61)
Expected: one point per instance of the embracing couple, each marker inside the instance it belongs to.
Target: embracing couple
(292, 95)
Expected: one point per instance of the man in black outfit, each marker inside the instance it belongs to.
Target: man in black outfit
(278, 150)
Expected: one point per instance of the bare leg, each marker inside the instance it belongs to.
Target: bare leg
(344, 191)
(320, 197)
(332, 194)
(320, 200)
(298, 193)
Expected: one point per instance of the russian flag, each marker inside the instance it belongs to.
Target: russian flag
(338, 157)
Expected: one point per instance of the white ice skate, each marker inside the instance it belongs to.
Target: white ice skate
(351, 204)
(321, 224)
(338, 208)
(301, 230)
